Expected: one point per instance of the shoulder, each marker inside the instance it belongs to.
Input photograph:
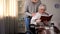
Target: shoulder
(39, 2)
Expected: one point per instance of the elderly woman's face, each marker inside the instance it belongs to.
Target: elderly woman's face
(42, 9)
(34, 1)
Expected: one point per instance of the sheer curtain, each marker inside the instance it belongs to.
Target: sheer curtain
(1, 8)
(8, 8)
(8, 15)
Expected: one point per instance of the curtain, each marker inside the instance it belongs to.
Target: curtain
(8, 8)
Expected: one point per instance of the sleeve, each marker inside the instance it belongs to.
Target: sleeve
(34, 18)
(26, 9)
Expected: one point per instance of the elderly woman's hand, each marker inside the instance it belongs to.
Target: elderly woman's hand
(33, 14)
(46, 22)
(38, 20)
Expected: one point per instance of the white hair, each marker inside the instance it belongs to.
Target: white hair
(41, 6)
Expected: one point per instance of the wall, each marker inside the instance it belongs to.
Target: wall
(21, 24)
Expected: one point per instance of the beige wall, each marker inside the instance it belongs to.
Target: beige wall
(21, 24)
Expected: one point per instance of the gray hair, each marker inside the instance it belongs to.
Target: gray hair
(41, 6)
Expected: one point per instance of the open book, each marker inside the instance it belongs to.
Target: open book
(44, 18)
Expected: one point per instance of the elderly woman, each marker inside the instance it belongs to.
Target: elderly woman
(30, 10)
(36, 18)
(41, 11)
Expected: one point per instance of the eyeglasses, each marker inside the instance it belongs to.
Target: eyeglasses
(42, 9)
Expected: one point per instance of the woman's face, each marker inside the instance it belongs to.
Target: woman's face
(42, 9)
(34, 1)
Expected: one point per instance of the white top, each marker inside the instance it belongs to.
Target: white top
(37, 16)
